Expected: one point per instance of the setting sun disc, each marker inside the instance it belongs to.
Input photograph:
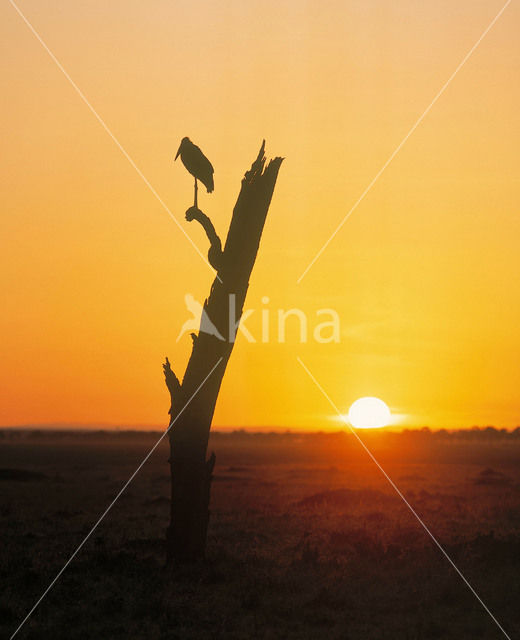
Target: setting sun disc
(369, 413)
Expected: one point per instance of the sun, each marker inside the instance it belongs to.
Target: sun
(369, 413)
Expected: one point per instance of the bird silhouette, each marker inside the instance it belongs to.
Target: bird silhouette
(197, 164)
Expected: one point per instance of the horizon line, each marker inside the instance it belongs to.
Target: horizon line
(140, 428)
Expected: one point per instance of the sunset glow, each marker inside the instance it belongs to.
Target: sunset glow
(422, 275)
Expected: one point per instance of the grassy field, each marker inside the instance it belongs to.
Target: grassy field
(307, 538)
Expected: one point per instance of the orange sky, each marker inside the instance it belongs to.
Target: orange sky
(424, 275)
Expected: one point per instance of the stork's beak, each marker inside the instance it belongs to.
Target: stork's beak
(178, 151)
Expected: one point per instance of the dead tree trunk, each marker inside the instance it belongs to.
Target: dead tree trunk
(193, 401)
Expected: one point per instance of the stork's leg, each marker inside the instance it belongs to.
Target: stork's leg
(196, 189)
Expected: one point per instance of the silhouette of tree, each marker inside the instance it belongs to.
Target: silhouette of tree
(193, 401)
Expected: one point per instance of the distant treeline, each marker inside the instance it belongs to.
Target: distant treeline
(473, 434)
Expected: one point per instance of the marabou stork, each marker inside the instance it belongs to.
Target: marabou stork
(197, 164)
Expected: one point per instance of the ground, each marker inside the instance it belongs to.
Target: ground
(307, 538)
